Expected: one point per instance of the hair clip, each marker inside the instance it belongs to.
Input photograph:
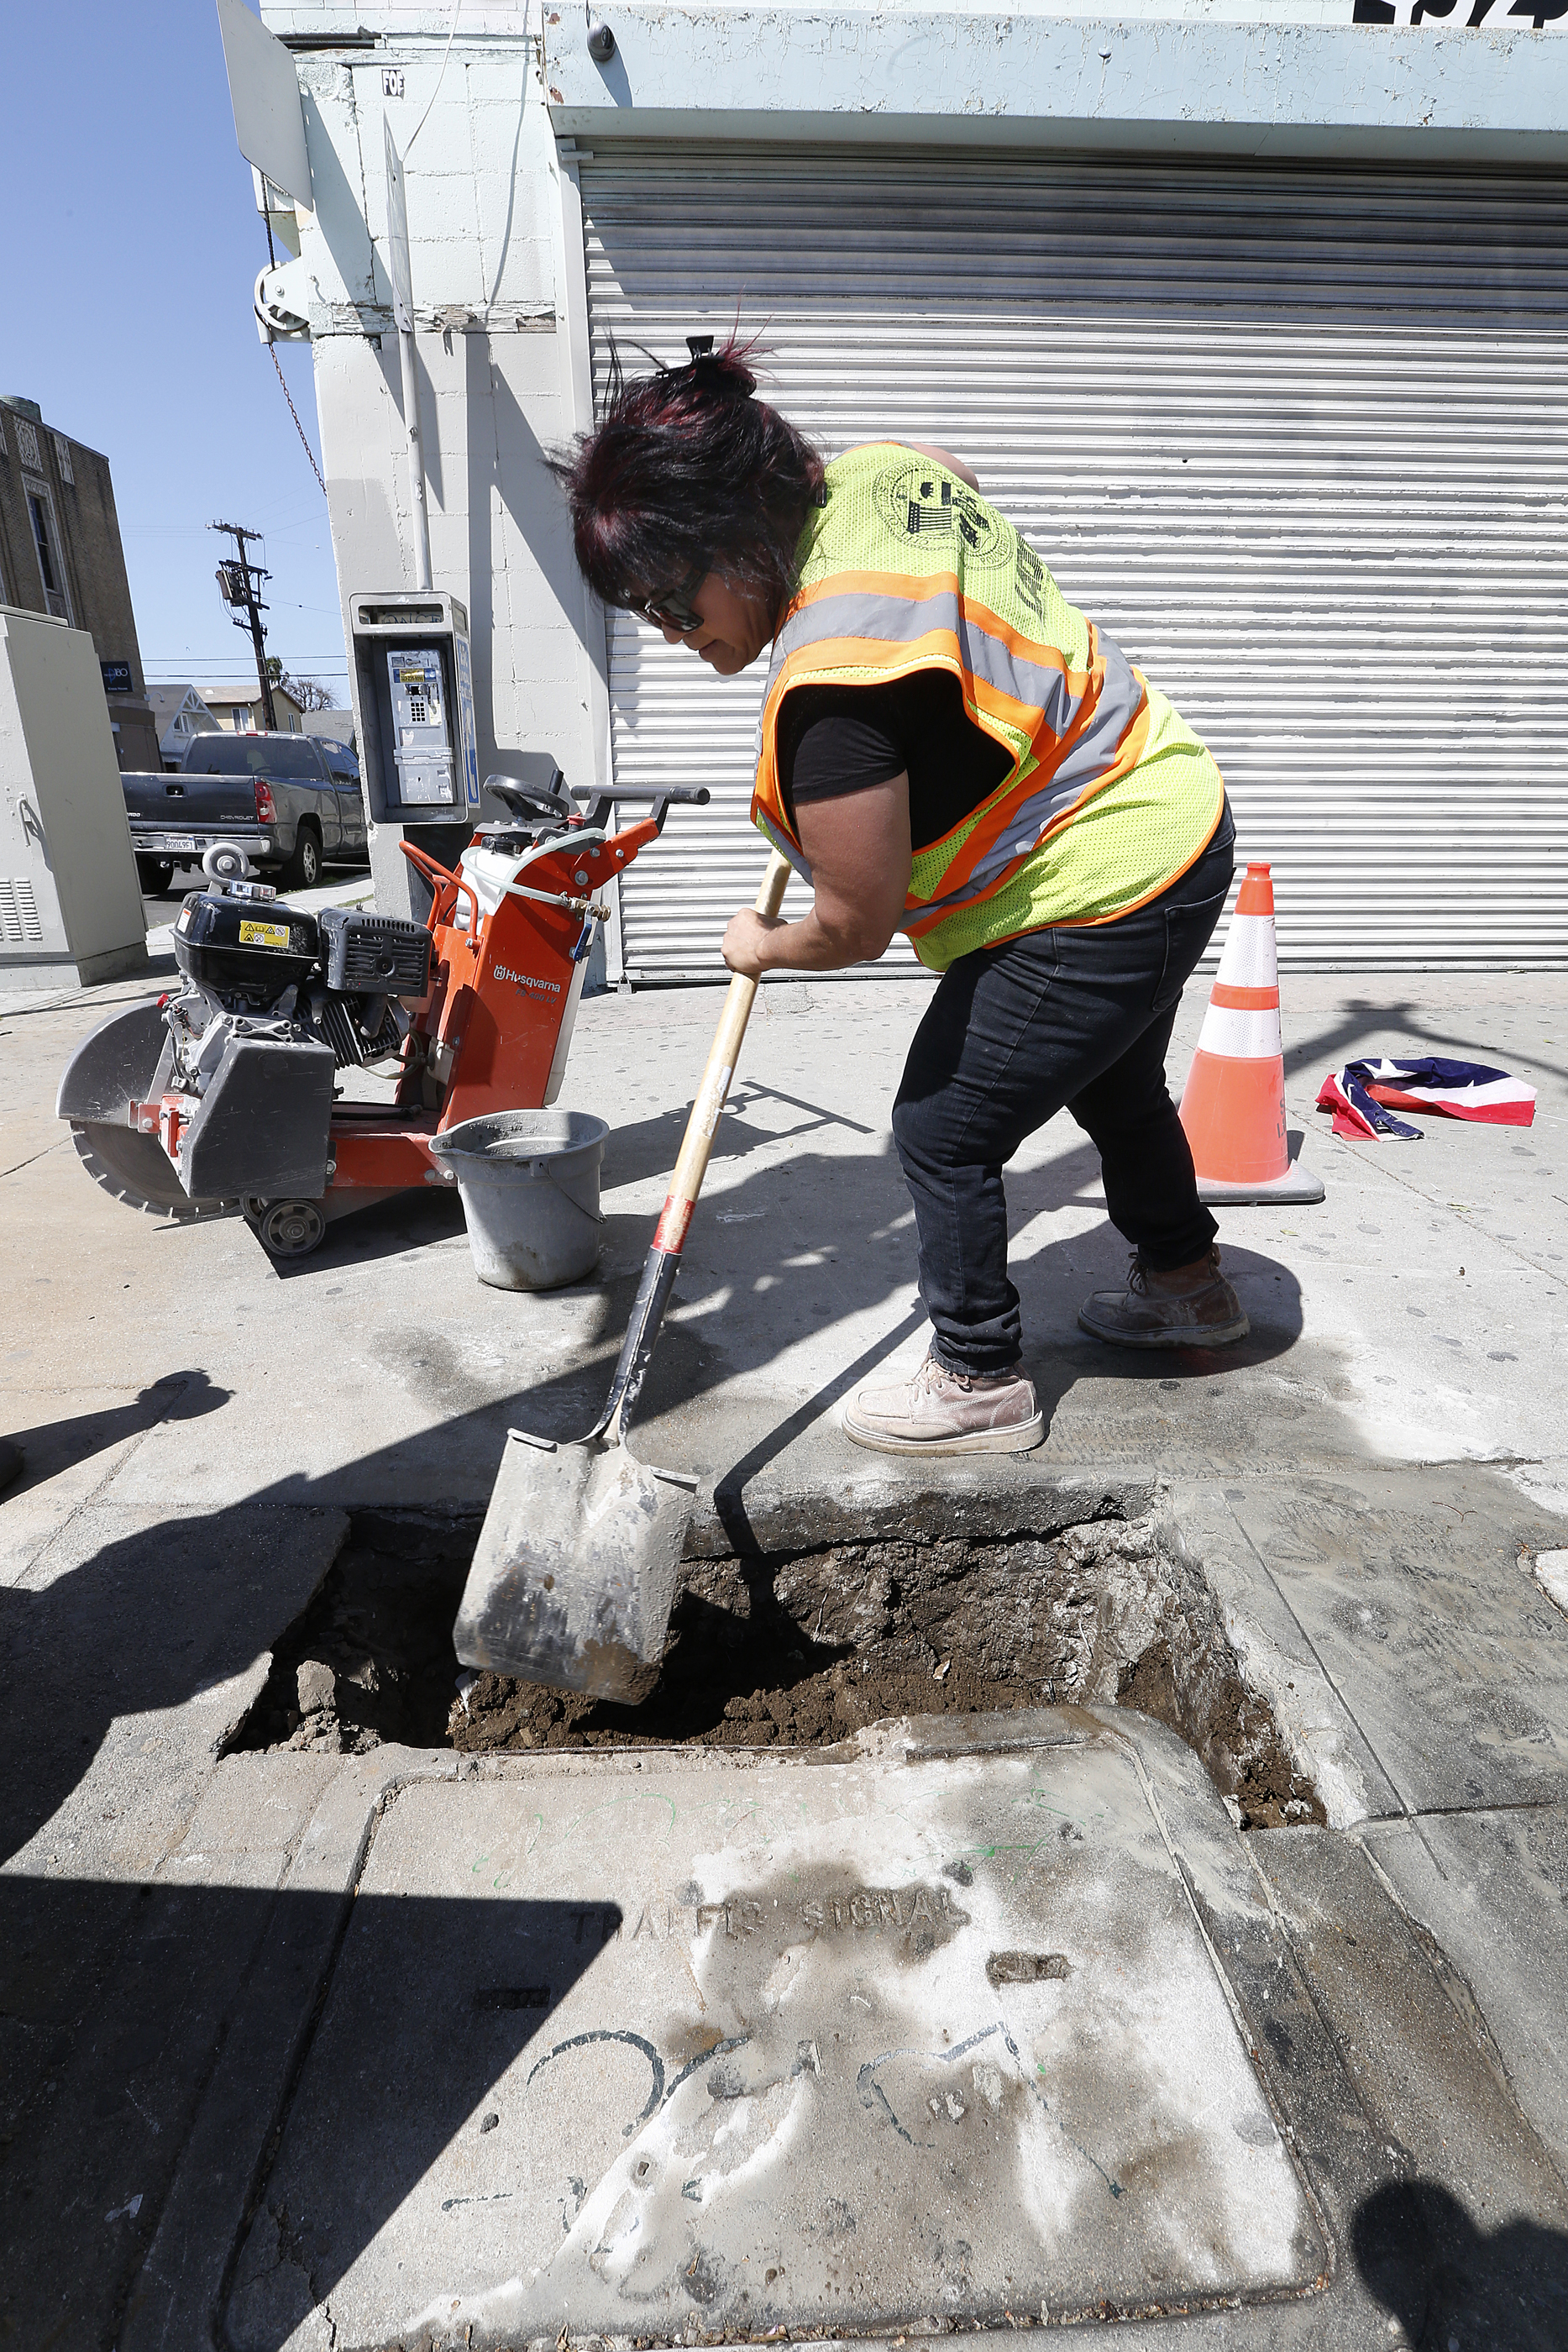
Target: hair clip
(700, 348)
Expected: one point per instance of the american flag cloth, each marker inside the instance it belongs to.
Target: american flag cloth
(1357, 1094)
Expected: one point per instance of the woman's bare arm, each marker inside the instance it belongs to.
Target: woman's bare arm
(944, 457)
(929, 449)
(859, 852)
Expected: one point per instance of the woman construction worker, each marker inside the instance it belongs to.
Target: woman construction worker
(947, 749)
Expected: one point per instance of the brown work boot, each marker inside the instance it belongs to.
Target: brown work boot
(940, 1412)
(1193, 1307)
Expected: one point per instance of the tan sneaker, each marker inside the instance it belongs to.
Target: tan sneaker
(1192, 1307)
(940, 1412)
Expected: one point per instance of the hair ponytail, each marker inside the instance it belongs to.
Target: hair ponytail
(686, 468)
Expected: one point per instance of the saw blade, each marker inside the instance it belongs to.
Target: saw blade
(135, 1169)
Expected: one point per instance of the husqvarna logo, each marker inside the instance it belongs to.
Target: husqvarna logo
(526, 979)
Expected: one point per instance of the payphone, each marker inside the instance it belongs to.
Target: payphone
(413, 704)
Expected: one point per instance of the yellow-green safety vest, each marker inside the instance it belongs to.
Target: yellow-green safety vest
(1110, 795)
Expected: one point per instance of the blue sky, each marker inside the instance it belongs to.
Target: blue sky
(132, 247)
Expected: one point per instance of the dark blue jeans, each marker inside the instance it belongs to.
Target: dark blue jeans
(1079, 1019)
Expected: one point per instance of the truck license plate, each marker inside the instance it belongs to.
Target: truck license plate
(178, 841)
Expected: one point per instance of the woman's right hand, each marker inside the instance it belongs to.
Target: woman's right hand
(745, 943)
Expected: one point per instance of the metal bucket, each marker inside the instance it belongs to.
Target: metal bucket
(529, 1182)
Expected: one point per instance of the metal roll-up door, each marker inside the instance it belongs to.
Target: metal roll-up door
(1297, 439)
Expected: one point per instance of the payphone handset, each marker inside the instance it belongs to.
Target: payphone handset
(423, 749)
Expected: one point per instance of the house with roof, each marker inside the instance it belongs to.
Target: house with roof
(178, 713)
(237, 704)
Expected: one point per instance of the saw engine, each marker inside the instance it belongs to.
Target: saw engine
(275, 1002)
(253, 967)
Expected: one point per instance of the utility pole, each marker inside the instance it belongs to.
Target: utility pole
(238, 585)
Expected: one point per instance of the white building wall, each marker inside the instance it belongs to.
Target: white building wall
(494, 298)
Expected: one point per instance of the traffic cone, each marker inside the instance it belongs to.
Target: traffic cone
(1233, 1107)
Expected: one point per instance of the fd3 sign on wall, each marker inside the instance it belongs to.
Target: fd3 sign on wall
(1537, 13)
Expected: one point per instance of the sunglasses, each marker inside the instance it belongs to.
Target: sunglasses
(672, 609)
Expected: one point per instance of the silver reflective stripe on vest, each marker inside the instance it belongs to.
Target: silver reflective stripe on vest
(1093, 755)
(786, 848)
(899, 620)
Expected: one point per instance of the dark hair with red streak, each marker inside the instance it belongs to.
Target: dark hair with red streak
(687, 471)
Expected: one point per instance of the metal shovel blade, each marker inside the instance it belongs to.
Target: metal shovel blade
(574, 1576)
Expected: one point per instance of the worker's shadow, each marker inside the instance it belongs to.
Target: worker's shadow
(119, 2001)
(51, 1447)
(1447, 2281)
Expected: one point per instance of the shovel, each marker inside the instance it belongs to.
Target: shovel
(575, 1572)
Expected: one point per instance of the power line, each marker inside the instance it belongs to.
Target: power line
(220, 660)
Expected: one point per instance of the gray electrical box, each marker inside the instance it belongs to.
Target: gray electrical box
(70, 905)
(419, 762)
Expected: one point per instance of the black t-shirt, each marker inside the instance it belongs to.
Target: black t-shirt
(838, 740)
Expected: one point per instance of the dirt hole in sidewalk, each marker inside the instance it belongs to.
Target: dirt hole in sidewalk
(795, 1648)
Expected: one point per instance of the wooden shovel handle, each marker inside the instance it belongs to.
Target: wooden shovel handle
(692, 1165)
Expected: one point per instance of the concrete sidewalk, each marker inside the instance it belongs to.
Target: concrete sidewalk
(1339, 1523)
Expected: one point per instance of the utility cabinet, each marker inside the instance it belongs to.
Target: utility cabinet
(70, 905)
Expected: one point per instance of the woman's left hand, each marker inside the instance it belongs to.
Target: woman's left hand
(744, 937)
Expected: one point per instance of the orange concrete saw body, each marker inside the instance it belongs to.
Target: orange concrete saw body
(509, 932)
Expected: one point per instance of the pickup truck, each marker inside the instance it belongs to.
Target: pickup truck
(281, 797)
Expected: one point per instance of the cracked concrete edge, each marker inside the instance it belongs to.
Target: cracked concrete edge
(242, 1690)
(1475, 1952)
(174, 2304)
(1277, 1657)
(1455, 1984)
(1543, 1484)
(980, 1497)
(1279, 2323)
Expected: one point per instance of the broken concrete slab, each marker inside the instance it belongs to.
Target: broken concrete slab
(1277, 1659)
(879, 1599)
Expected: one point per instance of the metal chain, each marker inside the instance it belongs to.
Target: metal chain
(288, 396)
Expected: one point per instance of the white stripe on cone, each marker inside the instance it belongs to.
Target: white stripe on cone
(1250, 959)
(1245, 1037)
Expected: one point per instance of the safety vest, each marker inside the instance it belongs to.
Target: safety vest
(1109, 797)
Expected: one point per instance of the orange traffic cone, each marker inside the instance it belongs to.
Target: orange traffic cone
(1233, 1107)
